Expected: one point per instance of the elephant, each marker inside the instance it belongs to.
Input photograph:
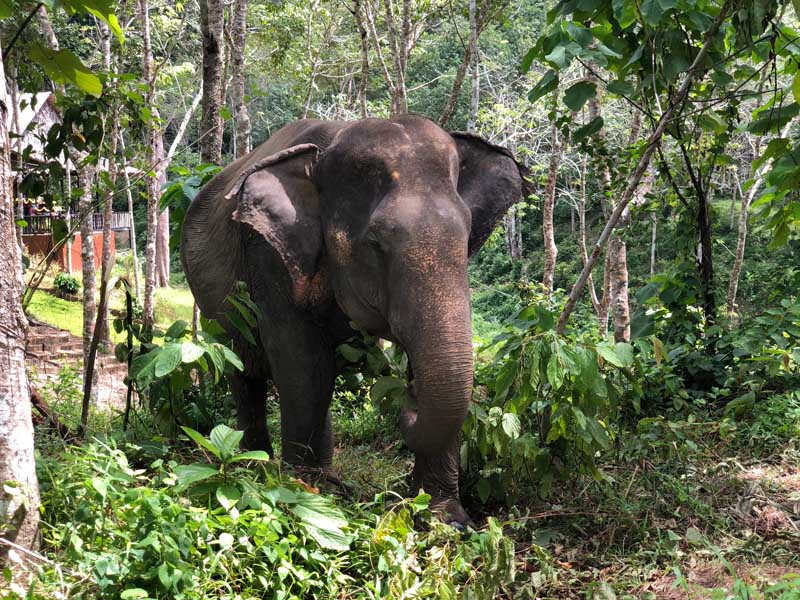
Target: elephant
(337, 227)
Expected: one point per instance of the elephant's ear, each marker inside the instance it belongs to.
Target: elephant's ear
(278, 199)
(490, 180)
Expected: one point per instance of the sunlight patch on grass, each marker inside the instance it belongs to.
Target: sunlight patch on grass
(64, 314)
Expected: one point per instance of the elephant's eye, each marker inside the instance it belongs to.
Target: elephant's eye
(375, 242)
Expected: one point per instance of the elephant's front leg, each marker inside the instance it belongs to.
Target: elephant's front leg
(250, 393)
(302, 363)
(438, 476)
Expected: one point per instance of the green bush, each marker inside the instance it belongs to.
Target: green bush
(67, 283)
(216, 530)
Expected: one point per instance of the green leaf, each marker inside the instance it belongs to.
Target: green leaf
(620, 87)
(546, 84)
(624, 12)
(228, 496)
(177, 330)
(169, 357)
(189, 474)
(6, 8)
(711, 121)
(693, 536)
(251, 455)
(190, 352)
(100, 9)
(226, 440)
(63, 66)
(143, 368)
(796, 85)
(350, 353)
(484, 489)
(773, 118)
(201, 441)
(384, 386)
(511, 425)
(654, 10)
(323, 521)
(578, 94)
(625, 353)
(232, 357)
(608, 354)
(587, 130)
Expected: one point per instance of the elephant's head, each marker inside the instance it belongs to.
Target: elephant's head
(386, 217)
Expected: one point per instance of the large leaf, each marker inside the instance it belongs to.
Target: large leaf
(773, 118)
(384, 386)
(63, 66)
(587, 130)
(577, 95)
(624, 12)
(654, 10)
(545, 85)
(202, 441)
(323, 521)
(100, 9)
(190, 352)
(189, 474)
(169, 357)
(226, 440)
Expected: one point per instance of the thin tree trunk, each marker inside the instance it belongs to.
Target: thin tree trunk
(370, 22)
(108, 200)
(212, 22)
(397, 48)
(475, 95)
(17, 464)
(86, 210)
(641, 166)
(582, 237)
(550, 248)
(68, 209)
(364, 41)
(148, 316)
(619, 291)
(132, 230)
(239, 36)
(654, 219)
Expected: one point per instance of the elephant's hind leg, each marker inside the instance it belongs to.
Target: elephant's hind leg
(250, 393)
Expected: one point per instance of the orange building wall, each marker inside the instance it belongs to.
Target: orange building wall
(42, 243)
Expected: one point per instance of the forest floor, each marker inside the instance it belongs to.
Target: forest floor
(714, 515)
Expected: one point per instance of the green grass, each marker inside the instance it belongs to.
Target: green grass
(171, 304)
(64, 314)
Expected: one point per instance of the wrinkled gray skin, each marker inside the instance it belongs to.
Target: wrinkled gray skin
(370, 221)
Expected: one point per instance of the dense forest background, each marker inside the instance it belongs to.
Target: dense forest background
(635, 425)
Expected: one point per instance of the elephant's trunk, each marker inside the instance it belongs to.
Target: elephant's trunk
(442, 363)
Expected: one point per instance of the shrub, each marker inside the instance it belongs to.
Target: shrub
(217, 530)
(67, 283)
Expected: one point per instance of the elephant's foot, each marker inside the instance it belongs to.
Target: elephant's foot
(438, 476)
(450, 511)
(325, 478)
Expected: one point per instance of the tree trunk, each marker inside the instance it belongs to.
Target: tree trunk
(364, 41)
(68, 209)
(212, 23)
(398, 50)
(654, 218)
(242, 115)
(550, 248)
(108, 196)
(86, 210)
(582, 237)
(132, 230)
(20, 501)
(475, 95)
(619, 290)
(151, 181)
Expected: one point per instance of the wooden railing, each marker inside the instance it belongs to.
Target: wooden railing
(43, 223)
